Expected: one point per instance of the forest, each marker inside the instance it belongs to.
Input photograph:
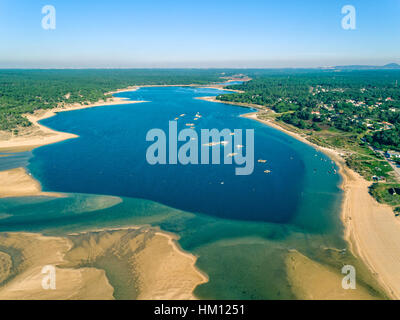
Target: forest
(361, 102)
(364, 102)
(24, 91)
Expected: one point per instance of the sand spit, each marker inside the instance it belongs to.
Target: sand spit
(313, 281)
(18, 183)
(29, 253)
(38, 135)
(129, 263)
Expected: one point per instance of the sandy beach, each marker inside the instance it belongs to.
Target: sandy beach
(214, 99)
(371, 228)
(18, 183)
(162, 270)
(212, 86)
(305, 277)
(38, 135)
(148, 262)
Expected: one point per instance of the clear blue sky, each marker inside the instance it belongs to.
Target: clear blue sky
(187, 33)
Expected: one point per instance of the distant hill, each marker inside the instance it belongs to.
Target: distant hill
(392, 66)
(365, 67)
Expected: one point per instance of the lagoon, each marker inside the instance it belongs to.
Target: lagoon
(240, 227)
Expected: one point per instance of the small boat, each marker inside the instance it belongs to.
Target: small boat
(232, 155)
(182, 115)
(224, 143)
(189, 124)
(176, 119)
(239, 146)
(267, 171)
(211, 144)
(262, 161)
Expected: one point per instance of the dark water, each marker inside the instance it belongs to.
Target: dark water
(241, 230)
(109, 159)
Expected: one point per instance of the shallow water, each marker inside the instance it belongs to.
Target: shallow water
(241, 230)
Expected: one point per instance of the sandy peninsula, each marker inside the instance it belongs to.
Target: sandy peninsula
(18, 183)
(154, 267)
(305, 277)
(129, 263)
(38, 135)
(371, 228)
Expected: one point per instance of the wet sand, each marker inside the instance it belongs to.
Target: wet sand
(129, 263)
(371, 228)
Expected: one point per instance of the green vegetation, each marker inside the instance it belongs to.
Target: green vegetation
(386, 139)
(24, 91)
(357, 112)
(369, 168)
(386, 193)
(361, 102)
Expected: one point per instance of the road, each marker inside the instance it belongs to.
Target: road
(394, 165)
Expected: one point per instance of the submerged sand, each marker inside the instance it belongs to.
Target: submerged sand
(29, 253)
(311, 280)
(371, 228)
(130, 263)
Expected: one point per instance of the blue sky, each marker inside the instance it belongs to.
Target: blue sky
(218, 33)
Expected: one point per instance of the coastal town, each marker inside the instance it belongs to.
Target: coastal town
(357, 114)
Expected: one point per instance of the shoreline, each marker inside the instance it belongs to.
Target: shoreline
(362, 216)
(19, 183)
(161, 270)
(38, 135)
(172, 240)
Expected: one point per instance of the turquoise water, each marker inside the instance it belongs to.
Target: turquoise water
(241, 230)
(14, 160)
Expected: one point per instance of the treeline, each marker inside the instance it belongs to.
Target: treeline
(350, 101)
(24, 91)
(387, 139)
